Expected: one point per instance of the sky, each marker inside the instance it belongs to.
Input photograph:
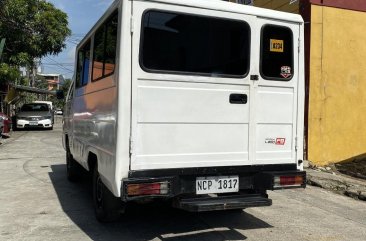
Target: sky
(82, 14)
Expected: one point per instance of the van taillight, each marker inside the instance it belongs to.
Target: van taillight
(288, 181)
(140, 189)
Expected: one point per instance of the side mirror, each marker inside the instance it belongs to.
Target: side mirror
(60, 94)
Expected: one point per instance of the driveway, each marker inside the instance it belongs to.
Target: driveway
(38, 203)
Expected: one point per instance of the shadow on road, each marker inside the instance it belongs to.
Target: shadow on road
(157, 221)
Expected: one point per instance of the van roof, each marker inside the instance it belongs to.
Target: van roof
(234, 8)
(218, 5)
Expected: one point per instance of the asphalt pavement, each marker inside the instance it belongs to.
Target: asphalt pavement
(38, 203)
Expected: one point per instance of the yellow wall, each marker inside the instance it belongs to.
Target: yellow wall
(337, 108)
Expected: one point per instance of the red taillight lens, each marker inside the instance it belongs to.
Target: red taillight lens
(283, 181)
(139, 189)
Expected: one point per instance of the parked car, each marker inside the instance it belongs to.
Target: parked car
(34, 115)
(50, 105)
(59, 112)
(5, 123)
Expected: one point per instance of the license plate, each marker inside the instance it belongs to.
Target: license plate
(219, 184)
(33, 123)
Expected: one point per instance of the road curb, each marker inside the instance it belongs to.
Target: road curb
(337, 183)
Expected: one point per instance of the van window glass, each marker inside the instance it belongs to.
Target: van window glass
(105, 47)
(111, 44)
(277, 53)
(82, 75)
(86, 63)
(79, 69)
(98, 53)
(183, 43)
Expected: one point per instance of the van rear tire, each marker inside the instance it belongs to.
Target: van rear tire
(72, 167)
(107, 207)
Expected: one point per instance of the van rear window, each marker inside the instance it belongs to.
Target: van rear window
(277, 53)
(190, 44)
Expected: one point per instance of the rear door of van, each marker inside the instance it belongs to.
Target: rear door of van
(212, 88)
(276, 92)
(191, 87)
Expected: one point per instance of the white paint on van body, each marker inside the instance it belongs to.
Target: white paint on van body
(138, 120)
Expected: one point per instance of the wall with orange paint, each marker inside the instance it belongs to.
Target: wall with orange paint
(337, 99)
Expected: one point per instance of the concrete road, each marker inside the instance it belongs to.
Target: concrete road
(38, 203)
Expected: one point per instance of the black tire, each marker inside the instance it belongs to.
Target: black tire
(107, 207)
(51, 128)
(72, 167)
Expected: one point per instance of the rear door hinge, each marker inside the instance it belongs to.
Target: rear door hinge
(298, 45)
(295, 143)
(131, 25)
(131, 146)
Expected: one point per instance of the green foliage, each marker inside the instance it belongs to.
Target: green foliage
(41, 83)
(33, 29)
(59, 104)
(8, 73)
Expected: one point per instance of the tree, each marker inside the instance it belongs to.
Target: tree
(59, 104)
(8, 73)
(41, 82)
(33, 29)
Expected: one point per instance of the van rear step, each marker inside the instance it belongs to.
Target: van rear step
(201, 204)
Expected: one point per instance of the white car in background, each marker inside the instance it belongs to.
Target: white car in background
(34, 115)
(58, 112)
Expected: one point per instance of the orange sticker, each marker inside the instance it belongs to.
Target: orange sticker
(276, 45)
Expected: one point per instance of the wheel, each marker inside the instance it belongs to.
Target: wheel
(72, 167)
(107, 207)
(51, 128)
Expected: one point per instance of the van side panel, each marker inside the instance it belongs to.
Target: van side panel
(124, 97)
(95, 108)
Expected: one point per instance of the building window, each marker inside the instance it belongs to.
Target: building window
(277, 53)
(190, 44)
(105, 47)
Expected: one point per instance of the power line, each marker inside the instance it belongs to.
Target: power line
(63, 64)
(58, 64)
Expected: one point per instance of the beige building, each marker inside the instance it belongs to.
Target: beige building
(54, 81)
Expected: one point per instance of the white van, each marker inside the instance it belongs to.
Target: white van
(199, 102)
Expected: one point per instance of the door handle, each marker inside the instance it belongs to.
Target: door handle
(238, 98)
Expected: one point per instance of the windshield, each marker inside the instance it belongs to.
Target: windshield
(35, 107)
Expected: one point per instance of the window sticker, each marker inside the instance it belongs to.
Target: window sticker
(286, 71)
(276, 45)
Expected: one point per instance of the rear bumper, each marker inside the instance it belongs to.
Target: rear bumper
(202, 204)
(182, 182)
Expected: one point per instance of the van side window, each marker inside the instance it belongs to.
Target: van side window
(277, 53)
(192, 44)
(105, 47)
(82, 74)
